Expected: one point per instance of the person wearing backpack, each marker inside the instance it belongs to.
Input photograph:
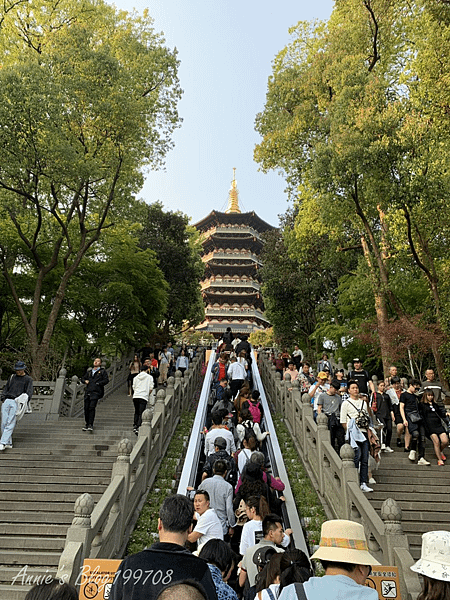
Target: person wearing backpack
(254, 406)
(221, 453)
(246, 422)
(221, 496)
(356, 420)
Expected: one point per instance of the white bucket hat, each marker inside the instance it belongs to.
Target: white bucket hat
(344, 541)
(434, 561)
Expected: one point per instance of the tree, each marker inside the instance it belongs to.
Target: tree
(87, 100)
(178, 250)
(361, 132)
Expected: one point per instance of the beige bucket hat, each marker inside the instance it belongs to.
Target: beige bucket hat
(344, 541)
(434, 561)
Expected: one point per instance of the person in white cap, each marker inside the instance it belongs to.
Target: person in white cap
(347, 562)
(434, 565)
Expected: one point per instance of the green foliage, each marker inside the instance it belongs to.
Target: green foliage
(87, 101)
(177, 248)
(356, 116)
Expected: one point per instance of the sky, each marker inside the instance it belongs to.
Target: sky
(226, 49)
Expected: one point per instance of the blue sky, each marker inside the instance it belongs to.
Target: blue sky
(226, 50)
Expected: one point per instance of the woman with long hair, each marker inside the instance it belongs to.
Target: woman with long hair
(135, 369)
(283, 569)
(221, 560)
(434, 418)
(434, 566)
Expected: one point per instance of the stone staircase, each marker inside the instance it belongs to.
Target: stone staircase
(422, 492)
(51, 464)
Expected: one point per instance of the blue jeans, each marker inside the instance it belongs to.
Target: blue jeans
(362, 461)
(9, 408)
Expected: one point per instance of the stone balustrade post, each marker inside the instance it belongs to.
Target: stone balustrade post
(273, 386)
(323, 434)
(295, 398)
(349, 473)
(307, 411)
(160, 408)
(171, 404)
(375, 382)
(340, 364)
(285, 385)
(179, 386)
(145, 431)
(121, 467)
(80, 529)
(74, 387)
(398, 549)
(58, 395)
(349, 366)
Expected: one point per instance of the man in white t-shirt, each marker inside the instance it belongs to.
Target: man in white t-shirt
(218, 430)
(208, 525)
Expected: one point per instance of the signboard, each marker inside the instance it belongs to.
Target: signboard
(385, 581)
(97, 576)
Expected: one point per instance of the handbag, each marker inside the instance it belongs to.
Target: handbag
(241, 515)
(414, 416)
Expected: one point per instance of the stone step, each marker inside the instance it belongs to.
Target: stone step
(32, 506)
(91, 479)
(11, 460)
(417, 506)
(33, 529)
(99, 470)
(13, 592)
(407, 496)
(16, 542)
(39, 498)
(50, 488)
(37, 517)
(47, 559)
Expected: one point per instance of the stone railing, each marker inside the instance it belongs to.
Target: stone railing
(336, 478)
(52, 399)
(102, 531)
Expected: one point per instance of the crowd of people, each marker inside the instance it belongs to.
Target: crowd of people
(365, 413)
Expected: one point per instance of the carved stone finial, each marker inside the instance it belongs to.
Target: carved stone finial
(391, 513)
(124, 447)
(147, 416)
(178, 374)
(75, 379)
(161, 395)
(170, 381)
(390, 510)
(84, 505)
(306, 398)
(287, 377)
(295, 384)
(62, 372)
(322, 421)
(347, 453)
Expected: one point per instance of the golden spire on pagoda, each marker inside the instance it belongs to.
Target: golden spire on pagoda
(233, 196)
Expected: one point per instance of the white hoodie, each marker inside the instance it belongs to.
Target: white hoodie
(142, 385)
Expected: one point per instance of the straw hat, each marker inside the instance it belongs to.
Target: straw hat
(434, 560)
(344, 541)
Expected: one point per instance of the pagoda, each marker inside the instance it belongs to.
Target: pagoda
(231, 287)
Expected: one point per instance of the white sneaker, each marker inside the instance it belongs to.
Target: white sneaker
(372, 480)
(383, 446)
(422, 461)
(388, 449)
(412, 455)
(2, 446)
(365, 488)
(8, 446)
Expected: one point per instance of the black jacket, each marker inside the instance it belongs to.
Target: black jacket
(97, 381)
(149, 571)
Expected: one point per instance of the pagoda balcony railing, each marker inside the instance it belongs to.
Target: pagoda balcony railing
(230, 283)
(235, 312)
(234, 231)
(231, 256)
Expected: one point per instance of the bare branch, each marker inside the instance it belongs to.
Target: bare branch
(375, 56)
